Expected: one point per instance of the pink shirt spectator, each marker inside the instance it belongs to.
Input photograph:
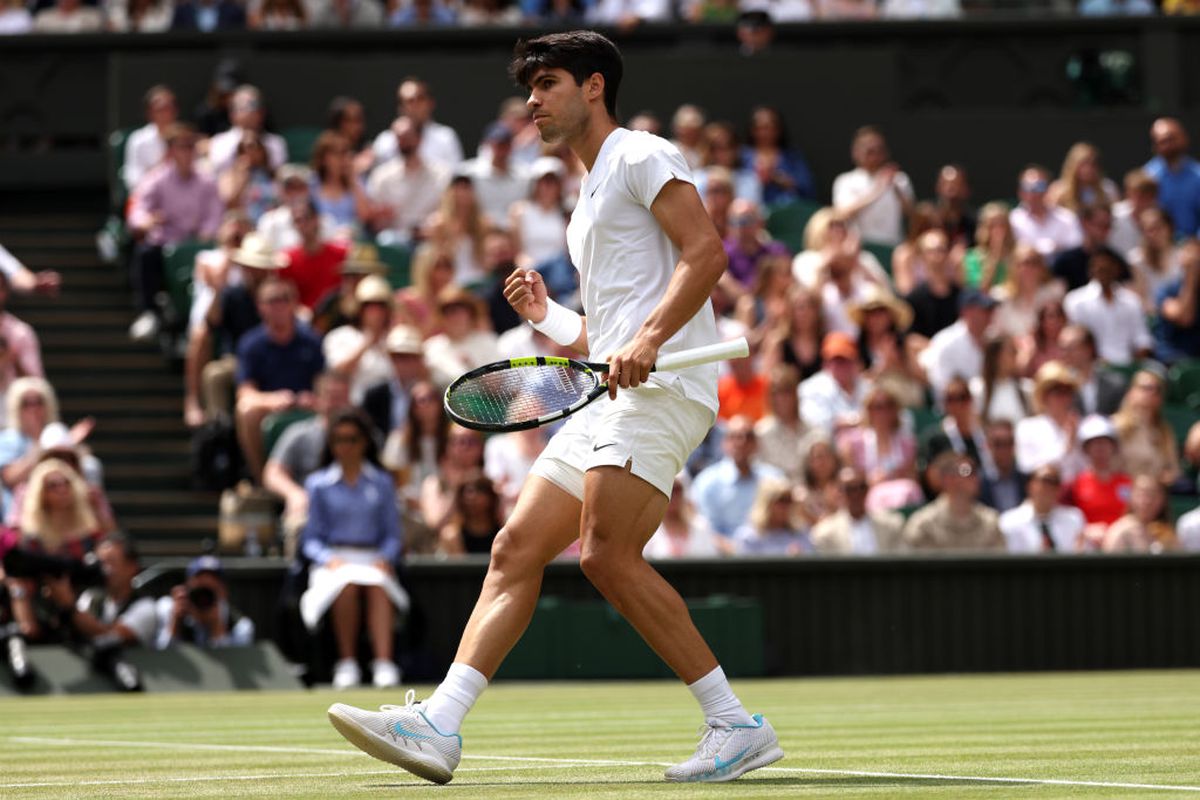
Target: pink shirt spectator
(173, 208)
(25, 353)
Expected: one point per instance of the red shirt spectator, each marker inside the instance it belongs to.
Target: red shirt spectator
(1100, 499)
(314, 266)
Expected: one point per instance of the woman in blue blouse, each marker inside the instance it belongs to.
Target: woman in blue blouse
(353, 539)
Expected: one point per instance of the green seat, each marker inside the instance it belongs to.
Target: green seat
(1180, 504)
(275, 424)
(787, 222)
(1183, 384)
(1181, 419)
(1126, 371)
(300, 141)
(179, 263)
(883, 252)
(924, 418)
(399, 261)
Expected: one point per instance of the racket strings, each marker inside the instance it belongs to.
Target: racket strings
(520, 394)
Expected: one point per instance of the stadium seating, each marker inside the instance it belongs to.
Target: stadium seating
(1183, 384)
(274, 425)
(787, 222)
(179, 264)
(399, 261)
(883, 252)
(300, 140)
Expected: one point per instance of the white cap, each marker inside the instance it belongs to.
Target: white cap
(55, 436)
(1096, 426)
(547, 165)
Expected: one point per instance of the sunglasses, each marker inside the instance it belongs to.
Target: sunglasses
(57, 483)
(32, 402)
(958, 397)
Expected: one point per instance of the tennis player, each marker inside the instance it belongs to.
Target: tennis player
(647, 256)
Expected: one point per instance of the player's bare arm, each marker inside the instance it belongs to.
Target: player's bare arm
(702, 261)
(525, 291)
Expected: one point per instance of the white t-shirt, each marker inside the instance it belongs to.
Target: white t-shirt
(439, 145)
(373, 368)
(625, 259)
(1022, 528)
(1118, 326)
(144, 150)
(1058, 230)
(882, 221)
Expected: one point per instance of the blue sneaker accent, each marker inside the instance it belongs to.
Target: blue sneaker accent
(435, 728)
(724, 765)
(758, 722)
(407, 734)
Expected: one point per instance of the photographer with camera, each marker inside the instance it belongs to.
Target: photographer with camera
(110, 617)
(198, 611)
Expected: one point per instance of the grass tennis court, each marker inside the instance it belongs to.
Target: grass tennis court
(892, 737)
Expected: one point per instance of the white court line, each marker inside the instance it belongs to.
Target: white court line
(575, 762)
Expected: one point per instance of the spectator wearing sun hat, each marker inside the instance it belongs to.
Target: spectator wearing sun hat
(358, 350)
(463, 344)
(1050, 437)
(387, 402)
(209, 383)
(834, 395)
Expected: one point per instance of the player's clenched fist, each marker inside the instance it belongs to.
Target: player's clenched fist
(525, 291)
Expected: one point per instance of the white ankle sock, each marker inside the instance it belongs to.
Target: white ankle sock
(717, 700)
(450, 703)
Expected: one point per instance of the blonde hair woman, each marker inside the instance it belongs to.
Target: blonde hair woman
(987, 263)
(458, 227)
(417, 305)
(825, 235)
(1082, 182)
(57, 510)
(1146, 438)
(907, 267)
(772, 528)
(1027, 288)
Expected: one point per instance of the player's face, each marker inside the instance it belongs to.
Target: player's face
(557, 105)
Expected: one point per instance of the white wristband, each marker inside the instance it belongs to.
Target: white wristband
(561, 324)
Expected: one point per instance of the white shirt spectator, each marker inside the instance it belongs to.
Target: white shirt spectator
(806, 268)
(701, 542)
(15, 20)
(519, 342)
(781, 10)
(835, 305)
(448, 359)
(1125, 234)
(222, 149)
(412, 194)
(144, 150)
(823, 401)
(1006, 399)
(498, 190)
(952, 351)
(1039, 442)
(610, 12)
(439, 145)
(882, 222)
(1119, 326)
(1058, 230)
(84, 19)
(1188, 531)
(375, 366)
(1022, 528)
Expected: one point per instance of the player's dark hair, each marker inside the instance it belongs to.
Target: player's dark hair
(581, 53)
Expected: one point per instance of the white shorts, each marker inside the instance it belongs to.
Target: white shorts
(653, 428)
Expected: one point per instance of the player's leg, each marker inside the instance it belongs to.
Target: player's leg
(423, 737)
(621, 512)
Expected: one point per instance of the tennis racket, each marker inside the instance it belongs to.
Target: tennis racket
(523, 393)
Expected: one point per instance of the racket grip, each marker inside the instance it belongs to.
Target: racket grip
(735, 348)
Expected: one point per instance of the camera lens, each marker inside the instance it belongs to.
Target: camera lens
(202, 597)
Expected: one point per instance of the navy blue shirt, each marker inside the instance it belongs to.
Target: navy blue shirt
(1171, 342)
(272, 366)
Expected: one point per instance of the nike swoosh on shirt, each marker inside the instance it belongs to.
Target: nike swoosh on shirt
(602, 446)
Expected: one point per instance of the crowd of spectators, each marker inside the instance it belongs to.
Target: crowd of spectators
(924, 375)
(945, 362)
(754, 18)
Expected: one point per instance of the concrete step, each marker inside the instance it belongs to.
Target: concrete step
(83, 258)
(115, 361)
(52, 240)
(148, 383)
(47, 319)
(104, 407)
(101, 340)
(146, 476)
(164, 499)
(111, 427)
(68, 221)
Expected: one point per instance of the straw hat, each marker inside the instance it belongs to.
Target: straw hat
(879, 297)
(373, 289)
(257, 252)
(457, 296)
(363, 259)
(1049, 375)
(404, 340)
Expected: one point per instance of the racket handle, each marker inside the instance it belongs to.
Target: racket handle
(736, 348)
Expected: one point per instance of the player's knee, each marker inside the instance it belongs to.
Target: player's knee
(514, 553)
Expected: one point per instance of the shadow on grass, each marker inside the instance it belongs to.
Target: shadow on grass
(742, 784)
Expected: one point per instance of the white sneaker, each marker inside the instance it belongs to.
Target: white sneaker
(346, 674)
(145, 327)
(400, 735)
(384, 674)
(726, 753)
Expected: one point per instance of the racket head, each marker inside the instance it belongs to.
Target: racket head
(521, 393)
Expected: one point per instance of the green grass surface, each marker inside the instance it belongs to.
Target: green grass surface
(879, 738)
